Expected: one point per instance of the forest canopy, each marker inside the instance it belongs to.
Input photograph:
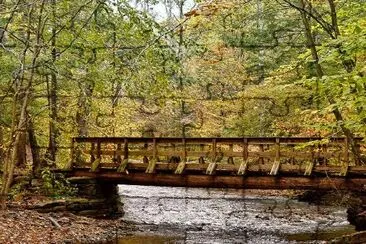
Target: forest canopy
(197, 68)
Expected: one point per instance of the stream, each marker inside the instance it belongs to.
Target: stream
(196, 215)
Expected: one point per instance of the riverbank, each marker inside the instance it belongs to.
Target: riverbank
(20, 223)
(29, 226)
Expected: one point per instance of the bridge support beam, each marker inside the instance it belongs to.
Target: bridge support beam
(104, 194)
(239, 182)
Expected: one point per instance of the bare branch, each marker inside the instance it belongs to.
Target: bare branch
(3, 30)
(314, 15)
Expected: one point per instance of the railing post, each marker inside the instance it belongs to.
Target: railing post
(96, 162)
(325, 151)
(182, 165)
(358, 149)
(117, 154)
(125, 149)
(202, 148)
(92, 148)
(212, 165)
(292, 159)
(345, 163)
(184, 150)
(122, 167)
(261, 149)
(230, 159)
(152, 163)
(70, 163)
(310, 164)
(276, 164)
(244, 165)
(99, 147)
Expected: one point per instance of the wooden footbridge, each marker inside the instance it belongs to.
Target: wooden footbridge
(254, 162)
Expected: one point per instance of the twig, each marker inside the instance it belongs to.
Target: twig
(54, 222)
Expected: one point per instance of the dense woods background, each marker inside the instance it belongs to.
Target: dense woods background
(176, 68)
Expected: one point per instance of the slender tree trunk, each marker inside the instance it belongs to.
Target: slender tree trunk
(180, 59)
(2, 31)
(260, 25)
(84, 104)
(319, 71)
(36, 166)
(333, 14)
(24, 87)
(52, 97)
(1, 145)
(21, 151)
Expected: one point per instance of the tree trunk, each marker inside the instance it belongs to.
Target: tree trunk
(23, 85)
(84, 104)
(52, 98)
(36, 165)
(333, 14)
(319, 71)
(1, 145)
(347, 62)
(21, 150)
(12, 160)
(180, 60)
(2, 31)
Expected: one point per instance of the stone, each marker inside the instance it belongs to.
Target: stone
(97, 199)
(59, 209)
(81, 180)
(50, 204)
(64, 220)
(36, 183)
(356, 213)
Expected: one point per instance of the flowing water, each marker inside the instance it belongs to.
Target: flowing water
(195, 215)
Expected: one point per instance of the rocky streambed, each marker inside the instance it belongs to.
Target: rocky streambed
(191, 215)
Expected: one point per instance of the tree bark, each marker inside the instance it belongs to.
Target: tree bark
(24, 85)
(180, 60)
(52, 97)
(21, 150)
(1, 145)
(84, 104)
(320, 73)
(36, 165)
(333, 14)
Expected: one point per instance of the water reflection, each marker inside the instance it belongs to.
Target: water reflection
(228, 216)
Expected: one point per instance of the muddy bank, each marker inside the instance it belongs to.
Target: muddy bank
(28, 226)
(354, 202)
(357, 212)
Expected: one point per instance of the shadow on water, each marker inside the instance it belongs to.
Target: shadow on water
(325, 235)
(193, 215)
(148, 240)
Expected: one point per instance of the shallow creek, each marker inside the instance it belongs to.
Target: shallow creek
(195, 215)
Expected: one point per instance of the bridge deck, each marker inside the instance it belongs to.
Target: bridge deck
(264, 163)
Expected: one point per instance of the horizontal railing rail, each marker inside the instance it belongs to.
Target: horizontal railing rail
(253, 140)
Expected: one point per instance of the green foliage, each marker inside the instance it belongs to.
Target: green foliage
(55, 185)
(229, 68)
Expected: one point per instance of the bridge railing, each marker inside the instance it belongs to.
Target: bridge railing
(253, 155)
